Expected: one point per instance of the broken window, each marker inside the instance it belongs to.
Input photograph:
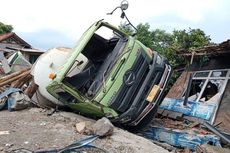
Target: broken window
(219, 73)
(208, 86)
(196, 87)
(212, 88)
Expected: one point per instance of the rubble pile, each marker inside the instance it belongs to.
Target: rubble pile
(16, 90)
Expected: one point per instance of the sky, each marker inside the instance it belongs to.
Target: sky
(59, 23)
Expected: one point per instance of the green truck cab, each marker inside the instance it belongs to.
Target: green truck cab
(121, 78)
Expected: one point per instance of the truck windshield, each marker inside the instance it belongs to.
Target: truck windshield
(96, 60)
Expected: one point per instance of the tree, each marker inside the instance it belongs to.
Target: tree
(167, 44)
(126, 28)
(143, 33)
(4, 28)
(191, 39)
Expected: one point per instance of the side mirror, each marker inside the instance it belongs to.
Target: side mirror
(124, 5)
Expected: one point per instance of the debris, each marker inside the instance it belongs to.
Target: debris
(216, 131)
(180, 138)
(103, 127)
(4, 95)
(187, 150)
(18, 101)
(164, 145)
(26, 142)
(25, 126)
(21, 81)
(9, 145)
(4, 132)
(13, 77)
(18, 62)
(43, 124)
(193, 108)
(208, 89)
(5, 65)
(84, 127)
(31, 89)
(13, 84)
(194, 124)
(80, 143)
(76, 146)
(211, 149)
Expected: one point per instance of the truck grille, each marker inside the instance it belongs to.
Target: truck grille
(125, 96)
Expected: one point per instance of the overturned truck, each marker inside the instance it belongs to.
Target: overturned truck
(108, 73)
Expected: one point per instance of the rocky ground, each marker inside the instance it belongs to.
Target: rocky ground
(34, 129)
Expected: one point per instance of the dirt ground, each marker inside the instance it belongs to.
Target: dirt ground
(33, 129)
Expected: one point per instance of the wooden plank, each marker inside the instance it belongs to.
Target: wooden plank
(9, 81)
(21, 81)
(7, 77)
(32, 88)
(179, 86)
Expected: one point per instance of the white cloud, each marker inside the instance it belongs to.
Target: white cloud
(67, 16)
(72, 17)
(191, 10)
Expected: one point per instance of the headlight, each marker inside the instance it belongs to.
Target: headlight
(159, 59)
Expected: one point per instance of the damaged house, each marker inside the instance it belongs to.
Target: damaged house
(11, 42)
(209, 91)
(197, 105)
(15, 53)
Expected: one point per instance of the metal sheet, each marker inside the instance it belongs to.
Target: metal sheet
(180, 138)
(195, 109)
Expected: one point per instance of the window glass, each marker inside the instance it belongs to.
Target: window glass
(212, 88)
(202, 74)
(219, 73)
(196, 89)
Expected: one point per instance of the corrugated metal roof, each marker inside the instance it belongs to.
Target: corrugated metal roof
(16, 37)
(216, 49)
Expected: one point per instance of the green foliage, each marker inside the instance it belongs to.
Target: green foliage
(167, 44)
(144, 34)
(126, 29)
(5, 28)
(191, 39)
